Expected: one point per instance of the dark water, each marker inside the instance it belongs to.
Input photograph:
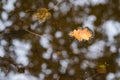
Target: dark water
(64, 23)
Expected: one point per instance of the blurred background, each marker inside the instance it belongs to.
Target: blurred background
(55, 55)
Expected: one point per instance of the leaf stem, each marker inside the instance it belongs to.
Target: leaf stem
(55, 6)
(32, 33)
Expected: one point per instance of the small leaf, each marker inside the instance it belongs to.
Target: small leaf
(101, 69)
(42, 14)
(59, 53)
(82, 34)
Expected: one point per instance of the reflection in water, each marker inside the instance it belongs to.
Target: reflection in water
(55, 55)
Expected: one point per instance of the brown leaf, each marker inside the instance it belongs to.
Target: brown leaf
(41, 15)
(101, 69)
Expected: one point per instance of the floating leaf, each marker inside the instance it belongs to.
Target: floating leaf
(42, 14)
(101, 69)
(82, 34)
(59, 53)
